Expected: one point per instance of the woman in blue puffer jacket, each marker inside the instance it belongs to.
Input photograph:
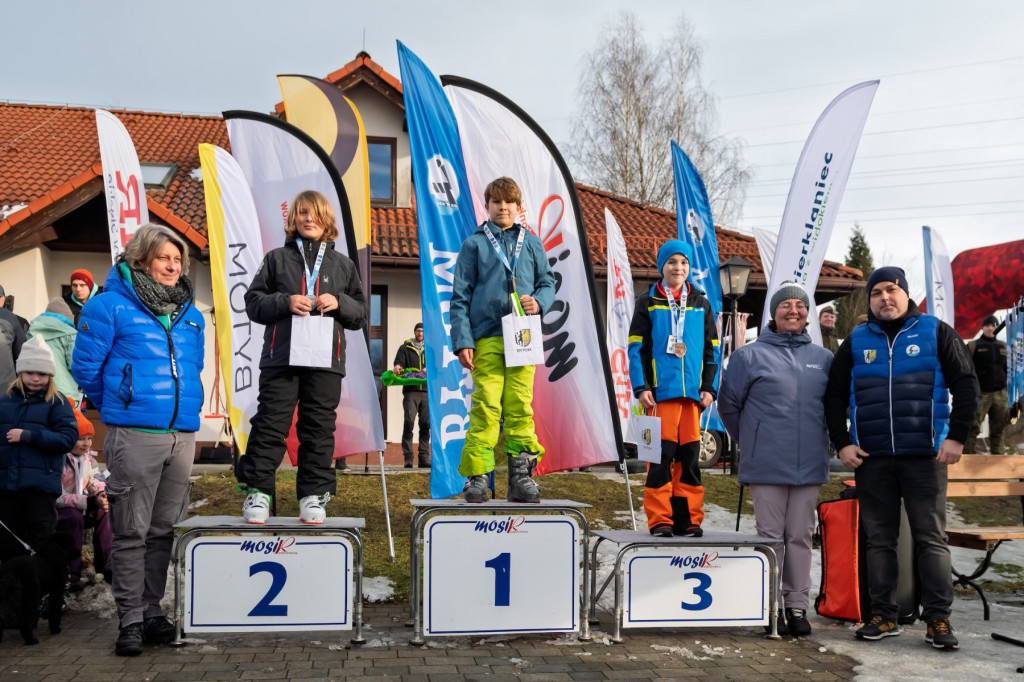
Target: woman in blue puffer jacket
(138, 357)
(772, 402)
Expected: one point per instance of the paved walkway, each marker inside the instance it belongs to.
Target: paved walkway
(84, 651)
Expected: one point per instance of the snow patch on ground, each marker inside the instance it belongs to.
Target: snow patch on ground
(378, 589)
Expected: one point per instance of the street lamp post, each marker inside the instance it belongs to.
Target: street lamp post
(734, 275)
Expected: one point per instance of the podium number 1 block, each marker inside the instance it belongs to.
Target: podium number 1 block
(501, 573)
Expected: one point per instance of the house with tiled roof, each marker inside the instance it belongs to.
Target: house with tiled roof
(53, 213)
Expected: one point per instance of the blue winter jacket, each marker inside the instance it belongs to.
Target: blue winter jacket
(49, 432)
(480, 297)
(653, 368)
(771, 402)
(898, 398)
(137, 372)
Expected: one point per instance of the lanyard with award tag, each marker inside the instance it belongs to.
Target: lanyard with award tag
(677, 315)
(504, 260)
(311, 276)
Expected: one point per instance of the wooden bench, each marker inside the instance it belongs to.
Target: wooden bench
(984, 476)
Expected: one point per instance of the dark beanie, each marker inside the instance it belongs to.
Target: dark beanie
(888, 274)
(991, 319)
(419, 326)
(786, 291)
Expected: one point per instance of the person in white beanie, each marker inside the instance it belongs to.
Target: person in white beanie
(37, 427)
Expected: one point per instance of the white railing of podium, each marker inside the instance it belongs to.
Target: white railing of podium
(199, 526)
(632, 541)
(424, 509)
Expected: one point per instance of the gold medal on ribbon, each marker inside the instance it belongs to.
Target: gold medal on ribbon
(679, 349)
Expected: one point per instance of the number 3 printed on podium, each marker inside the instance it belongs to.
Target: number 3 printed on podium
(700, 591)
(279, 575)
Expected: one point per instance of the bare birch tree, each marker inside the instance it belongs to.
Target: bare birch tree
(632, 100)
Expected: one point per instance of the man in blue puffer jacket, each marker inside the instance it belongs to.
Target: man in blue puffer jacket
(138, 357)
(895, 373)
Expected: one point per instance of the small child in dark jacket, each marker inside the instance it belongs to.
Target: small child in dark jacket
(303, 359)
(37, 427)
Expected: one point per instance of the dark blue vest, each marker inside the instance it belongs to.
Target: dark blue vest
(899, 404)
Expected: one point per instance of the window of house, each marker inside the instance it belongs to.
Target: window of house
(381, 152)
(158, 175)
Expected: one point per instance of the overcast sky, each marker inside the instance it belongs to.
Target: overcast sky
(943, 144)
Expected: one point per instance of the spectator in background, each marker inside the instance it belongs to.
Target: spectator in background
(82, 289)
(827, 322)
(12, 337)
(58, 330)
(83, 504)
(414, 398)
(989, 356)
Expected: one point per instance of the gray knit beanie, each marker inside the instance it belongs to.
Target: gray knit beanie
(786, 291)
(59, 306)
(36, 356)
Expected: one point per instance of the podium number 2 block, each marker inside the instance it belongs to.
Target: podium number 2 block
(501, 573)
(268, 582)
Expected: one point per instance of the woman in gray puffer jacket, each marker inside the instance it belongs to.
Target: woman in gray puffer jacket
(771, 401)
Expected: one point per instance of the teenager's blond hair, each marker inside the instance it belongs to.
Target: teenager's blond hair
(51, 389)
(149, 239)
(504, 189)
(322, 213)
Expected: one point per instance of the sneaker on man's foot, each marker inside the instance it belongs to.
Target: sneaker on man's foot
(256, 508)
(129, 640)
(476, 489)
(780, 625)
(877, 628)
(797, 623)
(313, 508)
(157, 630)
(663, 530)
(693, 531)
(940, 635)
(522, 488)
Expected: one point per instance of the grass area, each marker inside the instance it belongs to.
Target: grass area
(361, 496)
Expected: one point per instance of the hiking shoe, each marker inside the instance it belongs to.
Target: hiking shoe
(256, 508)
(312, 508)
(522, 488)
(129, 640)
(157, 630)
(663, 530)
(877, 628)
(940, 635)
(476, 489)
(797, 623)
(693, 531)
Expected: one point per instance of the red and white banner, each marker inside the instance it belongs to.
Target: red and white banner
(122, 181)
(620, 312)
(815, 193)
(279, 161)
(573, 397)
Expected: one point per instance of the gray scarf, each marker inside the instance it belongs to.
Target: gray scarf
(160, 298)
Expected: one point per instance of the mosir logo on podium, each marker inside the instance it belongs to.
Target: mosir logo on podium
(268, 582)
(699, 586)
(501, 573)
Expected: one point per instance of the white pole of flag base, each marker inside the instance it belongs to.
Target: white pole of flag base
(387, 510)
(629, 491)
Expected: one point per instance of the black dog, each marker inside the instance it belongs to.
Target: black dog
(25, 580)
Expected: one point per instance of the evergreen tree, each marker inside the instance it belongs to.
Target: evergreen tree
(851, 306)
